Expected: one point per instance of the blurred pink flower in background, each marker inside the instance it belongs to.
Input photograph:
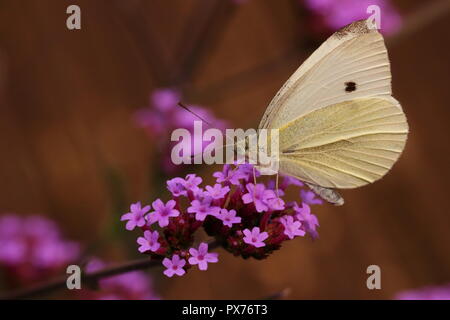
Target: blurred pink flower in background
(240, 1)
(158, 116)
(32, 247)
(163, 115)
(136, 285)
(426, 293)
(333, 14)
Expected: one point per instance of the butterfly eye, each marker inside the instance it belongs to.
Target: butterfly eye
(350, 86)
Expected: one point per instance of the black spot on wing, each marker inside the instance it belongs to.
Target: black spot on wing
(350, 86)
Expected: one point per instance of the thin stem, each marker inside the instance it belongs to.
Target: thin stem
(90, 278)
(135, 23)
(241, 81)
(204, 30)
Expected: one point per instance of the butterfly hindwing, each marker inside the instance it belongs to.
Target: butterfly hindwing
(344, 145)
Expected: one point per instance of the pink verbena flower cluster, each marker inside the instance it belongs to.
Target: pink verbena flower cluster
(333, 14)
(246, 219)
(32, 247)
(163, 115)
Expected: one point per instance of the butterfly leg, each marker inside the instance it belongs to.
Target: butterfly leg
(327, 194)
(276, 185)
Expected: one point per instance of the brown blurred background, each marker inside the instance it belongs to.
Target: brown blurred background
(67, 97)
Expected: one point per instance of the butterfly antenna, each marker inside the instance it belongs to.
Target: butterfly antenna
(180, 104)
(189, 110)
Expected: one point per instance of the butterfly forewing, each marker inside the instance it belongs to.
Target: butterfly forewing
(338, 125)
(354, 55)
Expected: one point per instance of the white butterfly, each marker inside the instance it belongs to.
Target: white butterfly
(339, 126)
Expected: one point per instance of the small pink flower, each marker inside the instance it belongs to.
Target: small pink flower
(308, 220)
(258, 195)
(309, 197)
(248, 171)
(202, 257)
(149, 241)
(217, 192)
(228, 174)
(203, 207)
(174, 266)
(276, 204)
(255, 237)
(192, 182)
(162, 212)
(228, 217)
(136, 216)
(291, 227)
(176, 187)
(271, 185)
(288, 180)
